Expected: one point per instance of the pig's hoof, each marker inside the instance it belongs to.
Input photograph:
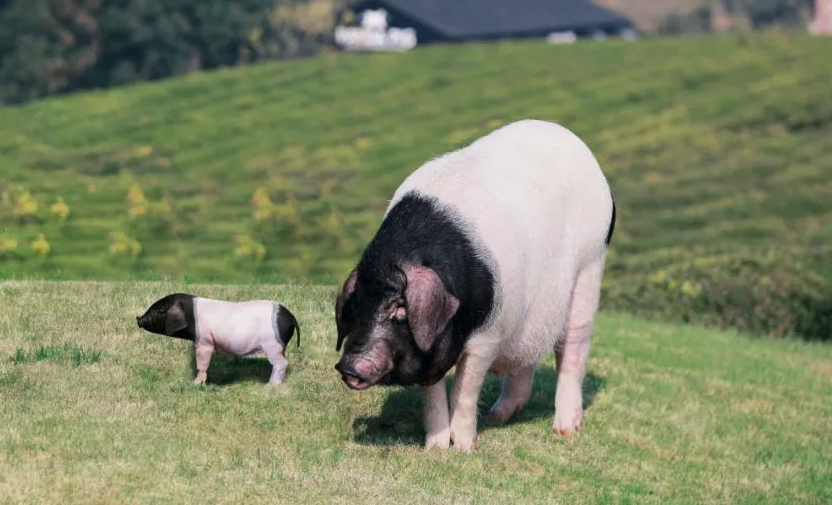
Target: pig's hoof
(440, 439)
(464, 444)
(501, 413)
(464, 439)
(567, 425)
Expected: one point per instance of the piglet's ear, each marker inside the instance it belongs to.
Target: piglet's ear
(175, 320)
(430, 306)
(344, 321)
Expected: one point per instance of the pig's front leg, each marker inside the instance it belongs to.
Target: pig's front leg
(204, 350)
(436, 417)
(470, 375)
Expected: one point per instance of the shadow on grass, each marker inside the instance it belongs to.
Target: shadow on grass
(400, 420)
(229, 369)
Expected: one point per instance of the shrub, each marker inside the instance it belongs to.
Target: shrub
(286, 215)
(60, 210)
(124, 245)
(760, 295)
(263, 205)
(138, 204)
(41, 246)
(149, 215)
(20, 202)
(8, 247)
(249, 248)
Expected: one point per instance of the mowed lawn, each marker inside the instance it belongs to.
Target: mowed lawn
(95, 411)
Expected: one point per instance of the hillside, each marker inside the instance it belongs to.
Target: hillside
(719, 152)
(96, 411)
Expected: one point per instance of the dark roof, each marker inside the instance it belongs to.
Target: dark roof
(483, 18)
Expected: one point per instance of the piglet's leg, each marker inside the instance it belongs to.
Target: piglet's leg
(203, 360)
(274, 353)
(470, 375)
(436, 417)
(573, 350)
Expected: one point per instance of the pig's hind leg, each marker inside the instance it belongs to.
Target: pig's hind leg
(573, 348)
(515, 394)
(274, 353)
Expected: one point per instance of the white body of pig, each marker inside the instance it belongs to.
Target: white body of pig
(239, 328)
(537, 205)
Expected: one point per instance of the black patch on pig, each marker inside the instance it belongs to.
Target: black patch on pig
(172, 311)
(285, 323)
(418, 231)
(612, 224)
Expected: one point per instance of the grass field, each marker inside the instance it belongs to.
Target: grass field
(97, 412)
(719, 152)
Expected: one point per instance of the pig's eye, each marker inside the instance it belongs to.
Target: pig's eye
(399, 315)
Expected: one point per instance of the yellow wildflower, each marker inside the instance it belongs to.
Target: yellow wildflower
(40, 246)
(60, 209)
(7, 245)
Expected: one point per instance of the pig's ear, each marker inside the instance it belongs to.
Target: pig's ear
(175, 320)
(430, 306)
(344, 321)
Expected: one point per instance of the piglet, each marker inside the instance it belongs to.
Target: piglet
(239, 328)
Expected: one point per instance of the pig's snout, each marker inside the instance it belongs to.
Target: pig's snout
(359, 373)
(352, 377)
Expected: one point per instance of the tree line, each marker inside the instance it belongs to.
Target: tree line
(56, 46)
(721, 15)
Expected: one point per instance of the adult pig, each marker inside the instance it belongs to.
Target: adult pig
(488, 258)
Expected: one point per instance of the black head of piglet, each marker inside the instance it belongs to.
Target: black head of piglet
(172, 315)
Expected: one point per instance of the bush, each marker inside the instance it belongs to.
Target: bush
(41, 246)
(60, 210)
(123, 245)
(759, 295)
(20, 204)
(744, 14)
(8, 247)
(249, 249)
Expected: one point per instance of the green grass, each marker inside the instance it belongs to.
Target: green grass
(713, 146)
(677, 414)
(61, 353)
(719, 152)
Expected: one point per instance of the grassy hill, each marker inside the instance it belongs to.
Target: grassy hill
(96, 411)
(719, 152)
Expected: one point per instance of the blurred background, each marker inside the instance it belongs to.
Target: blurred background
(274, 132)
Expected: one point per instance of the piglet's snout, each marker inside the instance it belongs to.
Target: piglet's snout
(143, 321)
